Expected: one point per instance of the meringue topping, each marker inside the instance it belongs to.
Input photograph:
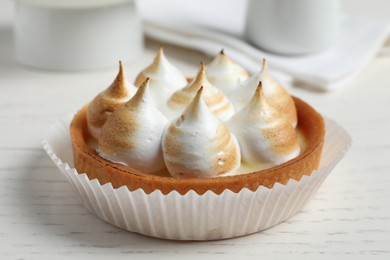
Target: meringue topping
(225, 74)
(218, 103)
(118, 93)
(264, 135)
(164, 78)
(276, 95)
(132, 134)
(197, 144)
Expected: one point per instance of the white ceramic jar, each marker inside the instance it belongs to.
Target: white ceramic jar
(76, 35)
(292, 26)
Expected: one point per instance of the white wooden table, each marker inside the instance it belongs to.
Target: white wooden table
(41, 218)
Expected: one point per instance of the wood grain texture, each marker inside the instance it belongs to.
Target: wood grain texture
(41, 218)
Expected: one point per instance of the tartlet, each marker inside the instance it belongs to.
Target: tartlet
(88, 161)
(202, 208)
(121, 156)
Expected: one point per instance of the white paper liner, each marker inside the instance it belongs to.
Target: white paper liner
(192, 216)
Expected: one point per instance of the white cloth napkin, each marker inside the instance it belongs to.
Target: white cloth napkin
(359, 40)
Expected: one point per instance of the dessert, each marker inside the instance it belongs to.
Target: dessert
(275, 93)
(118, 93)
(193, 198)
(225, 74)
(196, 145)
(131, 135)
(199, 145)
(214, 98)
(164, 79)
(264, 133)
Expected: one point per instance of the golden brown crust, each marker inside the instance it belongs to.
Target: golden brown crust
(88, 161)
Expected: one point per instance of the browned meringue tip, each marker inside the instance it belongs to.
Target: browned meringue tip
(258, 99)
(121, 74)
(200, 91)
(201, 71)
(140, 94)
(143, 87)
(264, 65)
(145, 83)
(198, 95)
(200, 77)
(259, 88)
(191, 109)
(118, 87)
(159, 55)
(222, 52)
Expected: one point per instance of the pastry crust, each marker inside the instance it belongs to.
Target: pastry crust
(88, 161)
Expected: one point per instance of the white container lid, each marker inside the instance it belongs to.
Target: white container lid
(77, 35)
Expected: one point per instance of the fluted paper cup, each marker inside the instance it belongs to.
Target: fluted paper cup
(192, 216)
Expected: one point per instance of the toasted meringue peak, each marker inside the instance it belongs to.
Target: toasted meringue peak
(275, 93)
(164, 78)
(198, 145)
(260, 108)
(118, 93)
(264, 136)
(141, 97)
(196, 107)
(214, 98)
(118, 88)
(225, 74)
(132, 134)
